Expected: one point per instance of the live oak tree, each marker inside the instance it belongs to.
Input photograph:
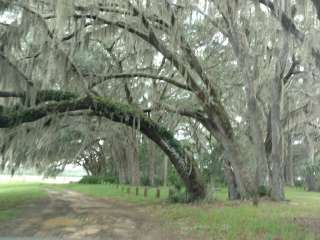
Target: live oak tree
(244, 71)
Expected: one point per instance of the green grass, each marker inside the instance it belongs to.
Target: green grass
(13, 194)
(223, 219)
(118, 192)
(235, 220)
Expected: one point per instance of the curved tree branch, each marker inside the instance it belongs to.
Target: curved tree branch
(140, 75)
(122, 113)
(41, 96)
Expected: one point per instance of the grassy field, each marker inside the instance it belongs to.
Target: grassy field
(14, 194)
(118, 192)
(223, 219)
(232, 220)
(297, 219)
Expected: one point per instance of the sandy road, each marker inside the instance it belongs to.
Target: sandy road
(71, 215)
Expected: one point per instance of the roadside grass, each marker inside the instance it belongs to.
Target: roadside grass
(14, 194)
(222, 219)
(235, 220)
(118, 192)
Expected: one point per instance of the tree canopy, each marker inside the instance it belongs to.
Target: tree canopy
(233, 80)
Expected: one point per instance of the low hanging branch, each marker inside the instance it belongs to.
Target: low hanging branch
(140, 75)
(117, 112)
(41, 96)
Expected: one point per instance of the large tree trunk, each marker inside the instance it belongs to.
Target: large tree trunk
(151, 162)
(248, 67)
(233, 193)
(277, 186)
(234, 156)
(288, 159)
(133, 157)
(119, 154)
(165, 171)
(311, 179)
(277, 181)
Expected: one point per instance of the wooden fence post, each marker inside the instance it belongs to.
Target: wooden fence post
(137, 191)
(158, 193)
(145, 194)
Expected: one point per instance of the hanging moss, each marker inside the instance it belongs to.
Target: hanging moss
(105, 105)
(53, 95)
(49, 95)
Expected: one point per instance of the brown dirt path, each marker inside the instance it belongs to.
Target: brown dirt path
(72, 215)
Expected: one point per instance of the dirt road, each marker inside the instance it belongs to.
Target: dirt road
(71, 215)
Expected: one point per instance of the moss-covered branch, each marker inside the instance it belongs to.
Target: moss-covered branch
(117, 112)
(41, 96)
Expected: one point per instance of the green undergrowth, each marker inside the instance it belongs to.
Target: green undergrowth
(223, 219)
(220, 219)
(15, 194)
(241, 220)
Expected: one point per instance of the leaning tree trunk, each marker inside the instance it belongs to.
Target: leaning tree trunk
(224, 134)
(125, 114)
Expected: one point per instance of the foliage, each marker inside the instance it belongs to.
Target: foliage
(213, 165)
(264, 191)
(208, 69)
(299, 182)
(98, 180)
(177, 195)
(312, 176)
(174, 179)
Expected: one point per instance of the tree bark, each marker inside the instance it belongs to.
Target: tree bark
(119, 154)
(165, 171)
(277, 185)
(233, 193)
(311, 181)
(234, 156)
(289, 173)
(133, 157)
(151, 163)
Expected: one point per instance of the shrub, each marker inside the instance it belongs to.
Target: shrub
(89, 180)
(263, 191)
(177, 196)
(299, 182)
(145, 181)
(174, 179)
(98, 179)
(109, 179)
(158, 181)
